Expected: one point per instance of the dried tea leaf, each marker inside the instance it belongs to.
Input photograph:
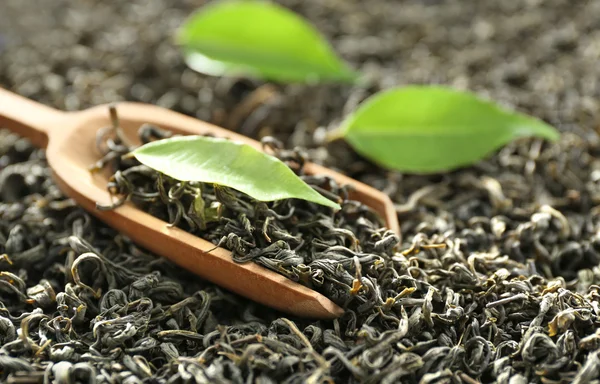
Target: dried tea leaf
(228, 163)
(260, 39)
(434, 129)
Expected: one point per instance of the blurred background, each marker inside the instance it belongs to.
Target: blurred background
(540, 57)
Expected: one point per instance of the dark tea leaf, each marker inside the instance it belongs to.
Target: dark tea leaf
(434, 129)
(225, 162)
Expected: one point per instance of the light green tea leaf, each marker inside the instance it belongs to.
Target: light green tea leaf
(434, 129)
(260, 39)
(228, 163)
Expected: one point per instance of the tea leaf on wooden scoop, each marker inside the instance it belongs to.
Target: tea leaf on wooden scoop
(260, 39)
(434, 129)
(227, 163)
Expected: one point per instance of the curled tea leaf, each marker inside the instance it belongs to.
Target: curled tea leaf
(228, 163)
(433, 129)
(260, 39)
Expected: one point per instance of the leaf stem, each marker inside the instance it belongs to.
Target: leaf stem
(334, 135)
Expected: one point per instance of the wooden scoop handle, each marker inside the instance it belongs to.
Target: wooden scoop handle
(28, 118)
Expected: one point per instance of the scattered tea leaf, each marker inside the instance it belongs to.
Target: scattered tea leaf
(261, 39)
(228, 163)
(434, 129)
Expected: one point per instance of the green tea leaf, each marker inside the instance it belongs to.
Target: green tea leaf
(434, 129)
(228, 163)
(260, 39)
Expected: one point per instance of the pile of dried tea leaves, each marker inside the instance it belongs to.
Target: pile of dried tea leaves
(308, 243)
(80, 302)
(495, 280)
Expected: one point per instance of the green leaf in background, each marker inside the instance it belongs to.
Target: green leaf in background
(261, 39)
(227, 163)
(433, 129)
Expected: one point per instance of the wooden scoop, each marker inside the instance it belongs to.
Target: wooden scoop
(70, 141)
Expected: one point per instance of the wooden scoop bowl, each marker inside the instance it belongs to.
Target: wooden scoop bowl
(70, 141)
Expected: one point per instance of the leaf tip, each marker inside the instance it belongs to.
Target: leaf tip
(553, 134)
(317, 198)
(543, 130)
(335, 206)
(352, 76)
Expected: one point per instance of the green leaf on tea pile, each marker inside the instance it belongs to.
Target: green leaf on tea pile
(228, 163)
(260, 39)
(434, 129)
